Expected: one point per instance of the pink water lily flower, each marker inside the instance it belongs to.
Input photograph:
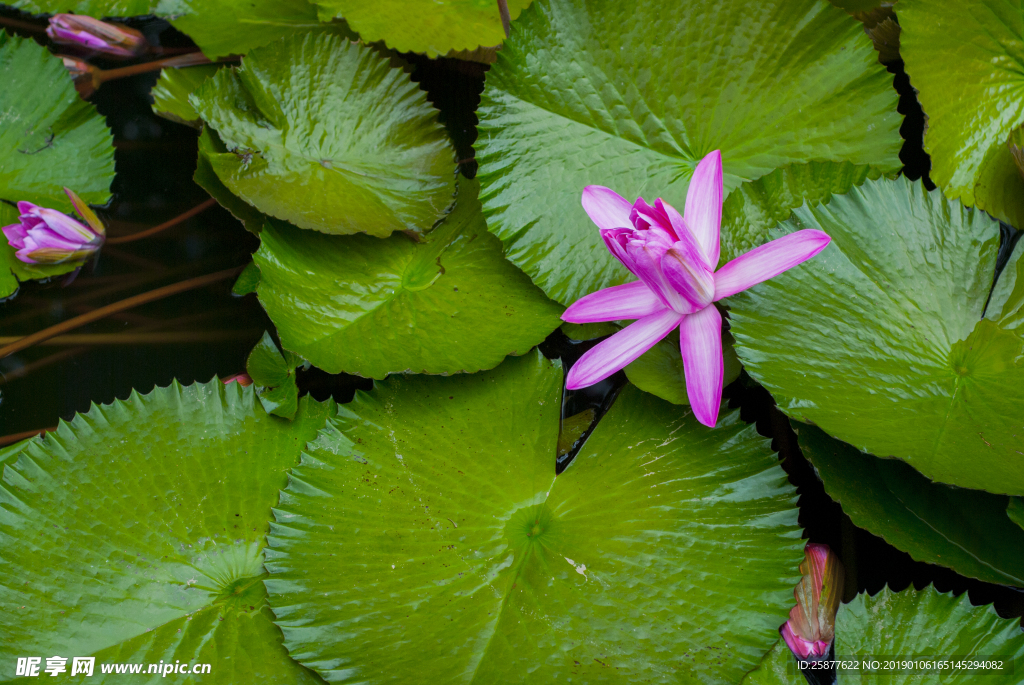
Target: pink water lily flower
(46, 236)
(93, 34)
(675, 257)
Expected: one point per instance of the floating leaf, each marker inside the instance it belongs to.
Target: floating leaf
(632, 96)
(965, 530)
(905, 625)
(879, 339)
(431, 27)
(93, 8)
(964, 61)
(448, 304)
(666, 552)
(325, 134)
(247, 280)
(659, 371)
(234, 27)
(274, 375)
(50, 139)
(206, 178)
(589, 331)
(1015, 510)
(135, 533)
(170, 94)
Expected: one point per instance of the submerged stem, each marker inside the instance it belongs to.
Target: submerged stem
(128, 303)
(164, 226)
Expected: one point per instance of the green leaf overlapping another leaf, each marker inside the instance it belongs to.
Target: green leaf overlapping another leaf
(50, 139)
(323, 133)
(879, 340)
(435, 27)
(235, 27)
(968, 531)
(964, 60)
(135, 532)
(273, 372)
(426, 529)
(450, 303)
(632, 96)
(901, 626)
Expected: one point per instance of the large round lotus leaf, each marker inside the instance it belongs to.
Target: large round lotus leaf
(968, 531)
(135, 534)
(434, 27)
(633, 95)
(362, 305)
(93, 8)
(964, 61)
(903, 625)
(234, 27)
(50, 139)
(879, 339)
(325, 134)
(426, 538)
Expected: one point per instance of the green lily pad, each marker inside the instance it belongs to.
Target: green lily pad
(50, 139)
(234, 27)
(582, 94)
(964, 60)
(323, 133)
(879, 340)
(448, 304)
(1015, 510)
(965, 530)
(908, 624)
(273, 373)
(247, 280)
(1006, 305)
(134, 533)
(659, 371)
(93, 8)
(756, 207)
(206, 178)
(170, 94)
(434, 27)
(426, 529)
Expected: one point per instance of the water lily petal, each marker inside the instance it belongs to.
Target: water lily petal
(646, 259)
(700, 342)
(630, 301)
(703, 210)
(768, 260)
(615, 239)
(15, 234)
(684, 268)
(655, 219)
(606, 208)
(616, 352)
(66, 227)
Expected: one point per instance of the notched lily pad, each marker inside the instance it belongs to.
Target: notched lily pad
(135, 532)
(426, 529)
(450, 303)
(879, 340)
(582, 95)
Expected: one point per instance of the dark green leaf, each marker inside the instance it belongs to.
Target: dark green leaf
(274, 377)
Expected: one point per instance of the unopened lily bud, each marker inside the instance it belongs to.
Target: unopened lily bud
(242, 379)
(85, 76)
(1016, 145)
(811, 626)
(93, 34)
(46, 236)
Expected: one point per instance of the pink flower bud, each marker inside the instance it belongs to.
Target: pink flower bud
(240, 378)
(96, 35)
(811, 626)
(85, 76)
(46, 236)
